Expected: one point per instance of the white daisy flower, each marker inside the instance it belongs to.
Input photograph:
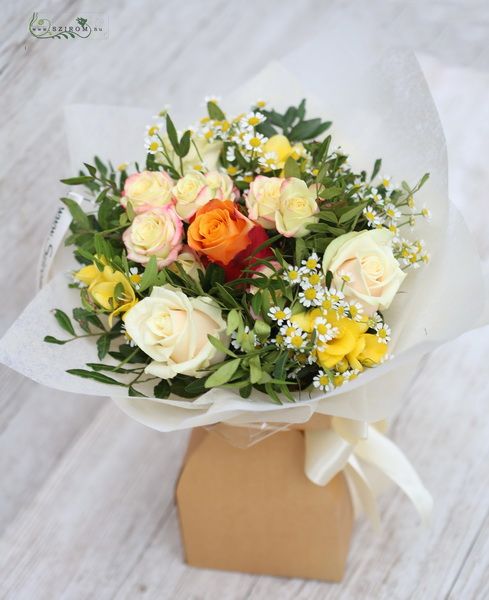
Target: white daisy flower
(374, 320)
(293, 275)
(392, 212)
(297, 340)
(230, 154)
(322, 382)
(386, 181)
(269, 161)
(325, 332)
(252, 119)
(376, 197)
(152, 145)
(383, 333)
(372, 216)
(426, 213)
(254, 141)
(311, 263)
(335, 296)
(311, 296)
(356, 311)
(279, 314)
(152, 130)
(310, 280)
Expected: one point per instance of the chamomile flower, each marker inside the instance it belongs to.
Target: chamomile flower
(123, 166)
(325, 332)
(386, 181)
(322, 381)
(345, 277)
(392, 212)
(311, 263)
(163, 112)
(383, 333)
(152, 130)
(254, 141)
(376, 197)
(293, 275)
(297, 340)
(426, 213)
(280, 314)
(311, 296)
(230, 154)
(372, 216)
(310, 280)
(335, 296)
(260, 103)
(252, 119)
(374, 320)
(152, 145)
(342, 308)
(234, 338)
(356, 311)
(269, 161)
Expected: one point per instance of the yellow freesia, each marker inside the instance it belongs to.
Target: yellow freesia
(281, 146)
(102, 287)
(351, 347)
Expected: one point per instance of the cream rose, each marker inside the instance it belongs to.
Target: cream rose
(189, 262)
(172, 329)
(147, 189)
(202, 155)
(263, 200)
(190, 193)
(297, 208)
(221, 185)
(157, 232)
(366, 262)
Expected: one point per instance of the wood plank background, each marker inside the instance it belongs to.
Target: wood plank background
(86, 503)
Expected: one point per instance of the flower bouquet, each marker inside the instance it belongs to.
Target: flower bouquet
(253, 276)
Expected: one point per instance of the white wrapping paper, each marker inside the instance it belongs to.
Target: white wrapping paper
(380, 107)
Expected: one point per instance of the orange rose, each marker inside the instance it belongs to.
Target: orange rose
(219, 231)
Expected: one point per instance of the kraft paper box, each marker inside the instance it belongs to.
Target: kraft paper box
(254, 510)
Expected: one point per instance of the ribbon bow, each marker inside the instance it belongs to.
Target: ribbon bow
(362, 453)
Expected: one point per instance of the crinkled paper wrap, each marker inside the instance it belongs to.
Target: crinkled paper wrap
(380, 107)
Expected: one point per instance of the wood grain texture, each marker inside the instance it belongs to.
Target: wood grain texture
(86, 503)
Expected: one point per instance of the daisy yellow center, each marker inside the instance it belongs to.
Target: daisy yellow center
(311, 263)
(296, 341)
(314, 279)
(322, 329)
(310, 294)
(255, 142)
(280, 314)
(253, 121)
(323, 380)
(154, 146)
(293, 275)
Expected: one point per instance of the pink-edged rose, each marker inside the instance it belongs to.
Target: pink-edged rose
(157, 232)
(147, 190)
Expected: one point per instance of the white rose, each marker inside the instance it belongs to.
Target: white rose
(263, 200)
(172, 329)
(148, 189)
(191, 192)
(157, 232)
(202, 155)
(367, 263)
(189, 263)
(297, 208)
(221, 185)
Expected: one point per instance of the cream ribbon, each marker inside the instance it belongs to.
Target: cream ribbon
(359, 449)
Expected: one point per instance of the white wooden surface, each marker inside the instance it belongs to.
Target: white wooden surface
(86, 504)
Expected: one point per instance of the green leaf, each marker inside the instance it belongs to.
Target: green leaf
(233, 321)
(82, 180)
(255, 369)
(323, 149)
(100, 377)
(291, 168)
(328, 193)
(327, 215)
(196, 387)
(52, 340)
(103, 345)
(79, 217)
(218, 345)
(223, 373)
(300, 251)
(185, 144)
(64, 321)
(262, 329)
(149, 275)
(226, 296)
(279, 369)
(172, 133)
(100, 166)
(352, 213)
(91, 169)
(162, 389)
(134, 392)
(376, 169)
(215, 112)
(307, 130)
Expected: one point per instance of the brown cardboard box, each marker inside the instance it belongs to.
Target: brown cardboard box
(254, 510)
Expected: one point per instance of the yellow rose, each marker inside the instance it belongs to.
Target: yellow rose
(104, 287)
(365, 268)
(282, 148)
(146, 190)
(297, 208)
